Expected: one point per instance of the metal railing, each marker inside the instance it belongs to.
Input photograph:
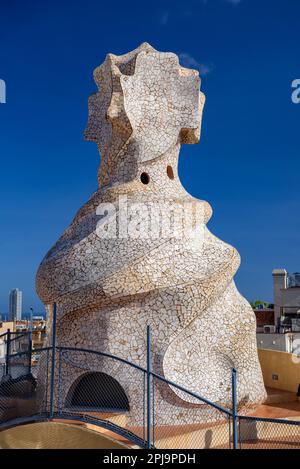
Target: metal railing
(91, 386)
(265, 433)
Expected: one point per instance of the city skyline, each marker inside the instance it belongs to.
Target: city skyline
(10, 312)
(15, 305)
(246, 164)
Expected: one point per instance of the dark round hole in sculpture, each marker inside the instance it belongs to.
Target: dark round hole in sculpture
(170, 172)
(145, 178)
(97, 391)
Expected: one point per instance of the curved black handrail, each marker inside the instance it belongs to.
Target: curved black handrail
(104, 354)
(107, 425)
(192, 394)
(138, 367)
(266, 419)
(17, 334)
(161, 378)
(165, 380)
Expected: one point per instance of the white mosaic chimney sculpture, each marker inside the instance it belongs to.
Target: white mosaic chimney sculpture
(139, 252)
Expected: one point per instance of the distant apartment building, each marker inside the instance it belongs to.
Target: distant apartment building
(37, 328)
(278, 325)
(15, 305)
(4, 327)
(284, 342)
(287, 299)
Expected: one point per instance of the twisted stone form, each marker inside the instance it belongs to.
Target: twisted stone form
(139, 252)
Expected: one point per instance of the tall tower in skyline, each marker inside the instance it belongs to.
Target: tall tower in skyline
(15, 305)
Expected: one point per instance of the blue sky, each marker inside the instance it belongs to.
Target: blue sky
(246, 165)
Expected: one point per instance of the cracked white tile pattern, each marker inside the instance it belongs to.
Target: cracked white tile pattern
(108, 290)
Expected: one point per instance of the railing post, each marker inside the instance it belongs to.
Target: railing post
(30, 350)
(7, 352)
(234, 408)
(59, 382)
(53, 361)
(30, 340)
(148, 387)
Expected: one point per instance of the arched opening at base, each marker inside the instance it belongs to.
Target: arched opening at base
(97, 391)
